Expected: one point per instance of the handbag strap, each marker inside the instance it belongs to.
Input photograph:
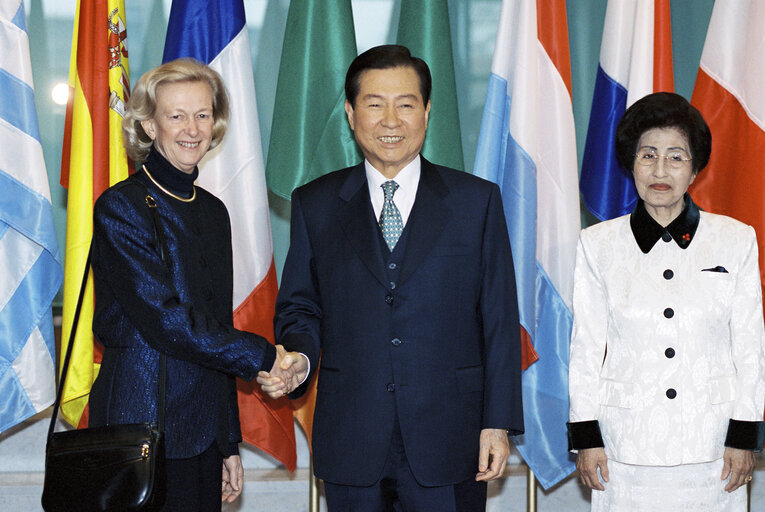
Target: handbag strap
(159, 236)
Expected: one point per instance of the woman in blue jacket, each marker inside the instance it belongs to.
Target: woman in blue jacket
(181, 307)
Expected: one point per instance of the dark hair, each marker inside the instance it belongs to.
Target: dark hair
(386, 57)
(663, 110)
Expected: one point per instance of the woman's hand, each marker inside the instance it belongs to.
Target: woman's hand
(739, 464)
(587, 462)
(289, 371)
(233, 478)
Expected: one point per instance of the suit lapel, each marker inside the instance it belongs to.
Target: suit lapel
(429, 216)
(358, 223)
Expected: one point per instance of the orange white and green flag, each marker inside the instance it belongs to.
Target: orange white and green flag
(93, 159)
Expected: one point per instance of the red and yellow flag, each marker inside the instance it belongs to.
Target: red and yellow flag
(93, 159)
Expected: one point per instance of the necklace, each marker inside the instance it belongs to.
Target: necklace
(163, 189)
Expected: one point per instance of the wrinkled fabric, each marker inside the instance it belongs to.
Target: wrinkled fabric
(665, 351)
(689, 487)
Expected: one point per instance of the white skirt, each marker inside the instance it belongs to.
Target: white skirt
(689, 487)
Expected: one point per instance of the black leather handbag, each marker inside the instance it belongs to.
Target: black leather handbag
(109, 468)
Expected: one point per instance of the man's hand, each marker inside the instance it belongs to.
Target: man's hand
(288, 372)
(739, 464)
(494, 449)
(587, 462)
(233, 478)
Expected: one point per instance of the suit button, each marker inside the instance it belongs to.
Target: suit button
(668, 274)
(392, 285)
(389, 299)
(666, 237)
(390, 387)
(392, 266)
(670, 353)
(671, 393)
(396, 342)
(669, 313)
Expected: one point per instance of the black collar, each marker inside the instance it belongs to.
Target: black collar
(647, 231)
(175, 180)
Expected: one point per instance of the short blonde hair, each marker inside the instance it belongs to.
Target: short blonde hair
(142, 103)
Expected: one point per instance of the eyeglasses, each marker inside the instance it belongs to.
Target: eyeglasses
(650, 158)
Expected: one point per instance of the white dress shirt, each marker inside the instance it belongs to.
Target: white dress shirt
(407, 178)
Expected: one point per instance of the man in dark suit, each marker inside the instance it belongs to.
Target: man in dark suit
(399, 275)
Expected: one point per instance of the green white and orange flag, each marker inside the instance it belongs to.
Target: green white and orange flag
(93, 159)
(310, 135)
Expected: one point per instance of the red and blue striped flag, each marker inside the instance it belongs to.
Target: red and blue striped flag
(215, 33)
(635, 60)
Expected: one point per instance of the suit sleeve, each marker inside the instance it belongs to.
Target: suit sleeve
(127, 261)
(297, 324)
(501, 327)
(746, 428)
(588, 346)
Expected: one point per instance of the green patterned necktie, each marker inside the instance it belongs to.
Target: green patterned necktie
(390, 218)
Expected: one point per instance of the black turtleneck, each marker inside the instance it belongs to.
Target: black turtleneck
(647, 231)
(170, 177)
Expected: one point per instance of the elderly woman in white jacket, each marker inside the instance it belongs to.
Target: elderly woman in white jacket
(667, 369)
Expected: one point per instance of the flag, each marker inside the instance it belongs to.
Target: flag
(93, 159)
(215, 33)
(424, 28)
(635, 60)
(728, 93)
(310, 135)
(528, 105)
(29, 259)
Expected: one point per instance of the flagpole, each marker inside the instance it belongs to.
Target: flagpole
(313, 489)
(531, 491)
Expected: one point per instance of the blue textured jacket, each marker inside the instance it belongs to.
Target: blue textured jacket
(143, 308)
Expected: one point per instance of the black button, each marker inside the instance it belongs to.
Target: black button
(389, 299)
(668, 274)
(396, 342)
(391, 387)
(392, 285)
(669, 313)
(666, 237)
(203, 262)
(392, 266)
(670, 353)
(671, 393)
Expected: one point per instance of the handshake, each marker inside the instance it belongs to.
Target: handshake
(289, 371)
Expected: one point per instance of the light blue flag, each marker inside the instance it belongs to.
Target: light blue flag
(527, 147)
(30, 264)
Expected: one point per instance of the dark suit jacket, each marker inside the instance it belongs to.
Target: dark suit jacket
(440, 348)
(142, 309)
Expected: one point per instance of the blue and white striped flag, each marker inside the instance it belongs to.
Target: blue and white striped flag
(30, 266)
(527, 146)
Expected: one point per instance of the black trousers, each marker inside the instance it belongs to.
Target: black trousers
(194, 484)
(398, 490)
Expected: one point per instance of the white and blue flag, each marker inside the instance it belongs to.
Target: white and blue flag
(527, 146)
(30, 267)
